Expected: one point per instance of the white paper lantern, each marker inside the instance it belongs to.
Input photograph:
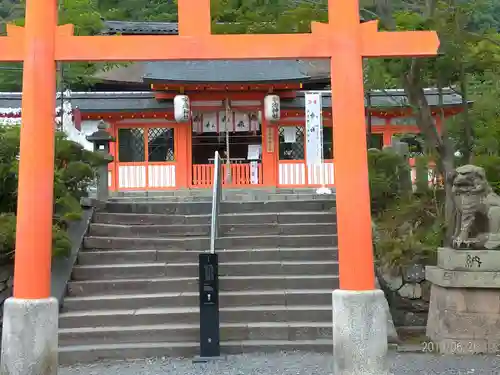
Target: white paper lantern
(272, 108)
(182, 108)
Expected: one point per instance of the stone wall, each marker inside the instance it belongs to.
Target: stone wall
(6, 283)
(408, 294)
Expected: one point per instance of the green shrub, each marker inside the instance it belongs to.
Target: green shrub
(385, 169)
(74, 172)
(60, 240)
(61, 244)
(422, 174)
(7, 237)
(410, 230)
(9, 149)
(491, 165)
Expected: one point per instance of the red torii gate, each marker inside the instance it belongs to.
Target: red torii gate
(344, 39)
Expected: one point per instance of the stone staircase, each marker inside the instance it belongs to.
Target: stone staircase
(134, 290)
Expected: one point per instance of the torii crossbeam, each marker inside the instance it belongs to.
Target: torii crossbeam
(344, 40)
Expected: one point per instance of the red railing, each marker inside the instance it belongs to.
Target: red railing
(241, 175)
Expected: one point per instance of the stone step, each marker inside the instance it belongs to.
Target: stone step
(226, 197)
(207, 192)
(191, 315)
(202, 243)
(190, 284)
(158, 269)
(90, 257)
(93, 353)
(225, 219)
(191, 332)
(197, 208)
(246, 298)
(246, 218)
(114, 230)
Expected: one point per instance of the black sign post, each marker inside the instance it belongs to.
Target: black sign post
(209, 307)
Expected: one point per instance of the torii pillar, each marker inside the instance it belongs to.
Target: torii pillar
(29, 337)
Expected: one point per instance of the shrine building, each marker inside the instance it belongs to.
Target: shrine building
(169, 118)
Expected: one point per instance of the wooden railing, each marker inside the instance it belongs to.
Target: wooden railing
(241, 175)
(298, 173)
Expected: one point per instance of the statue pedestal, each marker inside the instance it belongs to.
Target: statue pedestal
(464, 309)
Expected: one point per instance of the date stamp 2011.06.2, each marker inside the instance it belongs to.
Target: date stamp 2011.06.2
(456, 347)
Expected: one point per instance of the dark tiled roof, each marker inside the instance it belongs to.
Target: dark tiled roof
(391, 98)
(216, 71)
(140, 28)
(146, 27)
(131, 73)
(145, 101)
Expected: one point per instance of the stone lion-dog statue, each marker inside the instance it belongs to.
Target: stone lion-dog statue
(477, 210)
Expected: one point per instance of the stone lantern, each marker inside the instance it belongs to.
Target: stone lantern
(101, 140)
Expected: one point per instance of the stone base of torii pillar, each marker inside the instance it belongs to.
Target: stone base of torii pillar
(359, 332)
(30, 337)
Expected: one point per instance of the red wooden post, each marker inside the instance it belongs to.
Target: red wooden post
(36, 165)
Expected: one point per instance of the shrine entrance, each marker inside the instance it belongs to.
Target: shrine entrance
(240, 149)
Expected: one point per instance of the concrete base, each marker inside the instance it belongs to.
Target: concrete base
(463, 321)
(464, 308)
(359, 333)
(30, 337)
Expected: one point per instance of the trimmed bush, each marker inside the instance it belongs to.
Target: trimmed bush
(73, 175)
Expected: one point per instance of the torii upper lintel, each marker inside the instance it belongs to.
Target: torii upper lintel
(322, 42)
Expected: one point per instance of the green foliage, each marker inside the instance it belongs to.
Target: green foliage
(61, 243)
(9, 149)
(422, 174)
(410, 231)
(408, 228)
(485, 114)
(385, 177)
(86, 17)
(466, 31)
(491, 165)
(74, 173)
(7, 237)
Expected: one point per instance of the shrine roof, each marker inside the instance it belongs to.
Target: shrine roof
(145, 101)
(140, 28)
(220, 71)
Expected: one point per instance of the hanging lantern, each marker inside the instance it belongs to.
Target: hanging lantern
(272, 108)
(182, 109)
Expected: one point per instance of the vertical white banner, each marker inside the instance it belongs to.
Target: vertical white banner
(254, 172)
(314, 129)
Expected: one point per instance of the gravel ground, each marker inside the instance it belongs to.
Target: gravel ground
(290, 364)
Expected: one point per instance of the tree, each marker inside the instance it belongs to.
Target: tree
(452, 20)
(86, 17)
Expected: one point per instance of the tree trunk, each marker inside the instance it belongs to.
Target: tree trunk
(468, 144)
(441, 145)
